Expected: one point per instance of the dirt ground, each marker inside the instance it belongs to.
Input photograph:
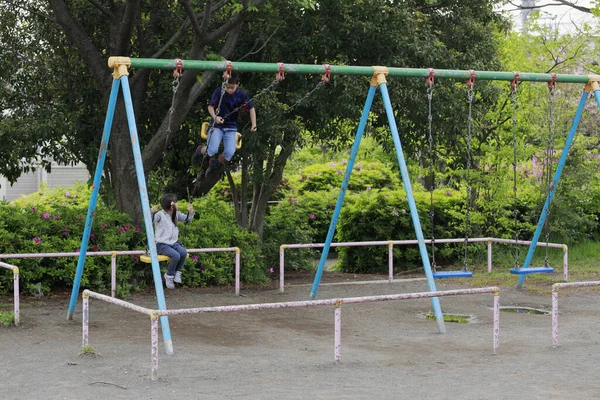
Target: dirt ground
(389, 349)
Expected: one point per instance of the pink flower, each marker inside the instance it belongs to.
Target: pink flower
(103, 225)
(332, 164)
(137, 229)
(45, 215)
(67, 194)
(195, 258)
(448, 192)
(36, 240)
(293, 200)
(121, 229)
(34, 209)
(73, 196)
(338, 172)
(92, 235)
(271, 270)
(368, 188)
(56, 217)
(127, 227)
(95, 247)
(313, 216)
(136, 257)
(300, 178)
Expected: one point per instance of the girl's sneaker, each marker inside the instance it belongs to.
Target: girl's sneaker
(177, 278)
(169, 281)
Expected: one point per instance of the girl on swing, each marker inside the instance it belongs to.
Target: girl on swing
(167, 235)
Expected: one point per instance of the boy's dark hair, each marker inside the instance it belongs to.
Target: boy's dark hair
(167, 202)
(234, 79)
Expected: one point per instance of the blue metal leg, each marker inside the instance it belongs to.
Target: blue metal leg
(340, 200)
(112, 101)
(412, 205)
(141, 179)
(557, 174)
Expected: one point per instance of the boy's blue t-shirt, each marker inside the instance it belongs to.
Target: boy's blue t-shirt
(229, 103)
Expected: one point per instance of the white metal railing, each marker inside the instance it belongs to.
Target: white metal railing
(392, 243)
(337, 303)
(114, 254)
(15, 271)
(555, 288)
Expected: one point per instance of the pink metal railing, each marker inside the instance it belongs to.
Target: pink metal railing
(392, 243)
(555, 288)
(114, 254)
(15, 271)
(337, 303)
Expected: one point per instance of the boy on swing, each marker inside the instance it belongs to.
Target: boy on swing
(225, 123)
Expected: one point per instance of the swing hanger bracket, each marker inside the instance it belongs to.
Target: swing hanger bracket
(593, 84)
(379, 74)
(552, 83)
(327, 75)
(430, 80)
(120, 66)
(515, 82)
(228, 69)
(280, 72)
(178, 71)
(471, 80)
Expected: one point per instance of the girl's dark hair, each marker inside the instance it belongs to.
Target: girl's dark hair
(167, 203)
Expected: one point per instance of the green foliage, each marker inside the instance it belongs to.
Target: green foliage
(53, 221)
(288, 223)
(7, 318)
(385, 215)
(365, 176)
(215, 226)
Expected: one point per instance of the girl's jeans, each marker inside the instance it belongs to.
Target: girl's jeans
(177, 253)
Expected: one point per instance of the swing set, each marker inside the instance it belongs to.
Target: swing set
(378, 74)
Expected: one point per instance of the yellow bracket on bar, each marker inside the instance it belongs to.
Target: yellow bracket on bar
(593, 84)
(119, 65)
(379, 74)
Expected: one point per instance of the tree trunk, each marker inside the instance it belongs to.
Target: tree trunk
(122, 167)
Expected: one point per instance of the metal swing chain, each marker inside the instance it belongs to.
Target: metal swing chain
(177, 72)
(175, 85)
(429, 83)
(549, 159)
(514, 84)
(259, 94)
(470, 97)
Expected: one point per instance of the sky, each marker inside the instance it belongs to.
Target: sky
(564, 16)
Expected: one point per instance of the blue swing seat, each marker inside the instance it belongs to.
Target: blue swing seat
(529, 271)
(452, 274)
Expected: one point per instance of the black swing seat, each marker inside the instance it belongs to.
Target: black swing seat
(452, 274)
(529, 271)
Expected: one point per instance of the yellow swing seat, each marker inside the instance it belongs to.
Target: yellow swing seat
(146, 258)
(204, 135)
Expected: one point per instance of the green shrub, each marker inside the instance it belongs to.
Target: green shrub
(325, 177)
(215, 226)
(288, 223)
(53, 221)
(385, 215)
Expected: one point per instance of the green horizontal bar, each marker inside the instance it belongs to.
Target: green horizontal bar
(352, 70)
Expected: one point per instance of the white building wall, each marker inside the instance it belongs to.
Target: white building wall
(61, 176)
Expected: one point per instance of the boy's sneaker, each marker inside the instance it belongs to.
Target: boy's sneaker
(177, 278)
(200, 150)
(212, 164)
(169, 281)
